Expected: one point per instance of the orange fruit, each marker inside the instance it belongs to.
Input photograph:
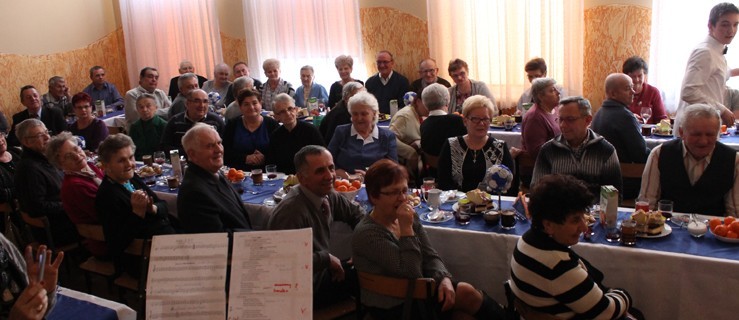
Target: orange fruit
(721, 230)
(346, 183)
(351, 188)
(734, 226)
(337, 183)
(356, 184)
(714, 222)
(341, 188)
(729, 220)
(732, 235)
(723, 128)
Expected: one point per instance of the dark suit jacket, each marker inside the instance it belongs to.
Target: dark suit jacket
(51, 117)
(209, 204)
(416, 85)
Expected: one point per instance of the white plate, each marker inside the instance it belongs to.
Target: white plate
(724, 239)
(446, 216)
(665, 231)
(455, 207)
(445, 195)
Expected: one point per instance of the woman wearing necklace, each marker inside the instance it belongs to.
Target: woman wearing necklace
(246, 138)
(391, 241)
(464, 87)
(309, 89)
(465, 159)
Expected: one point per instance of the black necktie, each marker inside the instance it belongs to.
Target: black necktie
(726, 49)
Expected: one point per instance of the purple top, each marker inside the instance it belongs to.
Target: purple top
(94, 134)
(537, 128)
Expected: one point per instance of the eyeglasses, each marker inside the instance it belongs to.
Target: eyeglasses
(428, 71)
(45, 133)
(289, 109)
(478, 120)
(568, 119)
(384, 62)
(396, 193)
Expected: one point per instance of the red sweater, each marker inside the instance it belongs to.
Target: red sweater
(78, 198)
(649, 97)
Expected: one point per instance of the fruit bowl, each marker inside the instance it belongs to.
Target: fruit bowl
(347, 189)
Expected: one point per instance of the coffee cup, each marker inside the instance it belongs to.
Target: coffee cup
(508, 219)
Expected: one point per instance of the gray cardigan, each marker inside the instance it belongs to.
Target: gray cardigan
(478, 88)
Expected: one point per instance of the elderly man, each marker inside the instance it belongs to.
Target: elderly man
(314, 204)
(103, 90)
(240, 69)
(535, 68)
(148, 81)
(197, 111)
(700, 172)
(234, 110)
(340, 113)
(387, 84)
(58, 95)
(219, 83)
(185, 67)
(292, 136)
(439, 126)
(615, 122)
(38, 184)
(707, 71)
(579, 151)
(206, 201)
(53, 118)
(429, 73)
(187, 82)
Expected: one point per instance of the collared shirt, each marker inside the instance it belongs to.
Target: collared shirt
(108, 93)
(650, 184)
(437, 112)
(47, 100)
(371, 138)
(385, 80)
(705, 75)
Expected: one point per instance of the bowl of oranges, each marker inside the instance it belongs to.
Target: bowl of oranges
(235, 175)
(348, 189)
(726, 230)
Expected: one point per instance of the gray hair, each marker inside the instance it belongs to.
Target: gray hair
(349, 89)
(342, 60)
(55, 144)
(112, 144)
(192, 136)
(271, 62)
(365, 99)
(185, 62)
(191, 93)
(699, 111)
(538, 86)
(22, 129)
(240, 83)
(148, 96)
(301, 158)
(309, 68)
(435, 96)
(223, 67)
(582, 104)
(477, 102)
(184, 77)
(53, 80)
(284, 98)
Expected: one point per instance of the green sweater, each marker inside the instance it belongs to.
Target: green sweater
(146, 135)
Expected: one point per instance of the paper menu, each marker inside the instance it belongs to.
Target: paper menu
(187, 275)
(272, 275)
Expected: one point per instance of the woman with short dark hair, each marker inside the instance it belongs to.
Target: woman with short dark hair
(87, 126)
(645, 95)
(464, 87)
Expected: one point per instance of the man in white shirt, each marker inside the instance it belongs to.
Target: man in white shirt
(707, 71)
(148, 81)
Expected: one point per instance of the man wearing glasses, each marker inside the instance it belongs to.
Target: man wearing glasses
(578, 151)
(292, 136)
(387, 85)
(429, 73)
(196, 111)
(52, 118)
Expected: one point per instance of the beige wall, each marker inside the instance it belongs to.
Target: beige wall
(412, 7)
(35, 27)
(231, 18)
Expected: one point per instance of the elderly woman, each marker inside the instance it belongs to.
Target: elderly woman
(546, 274)
(219, 83)
(309, 89)
(274, 85)
(391, 241)
(344, 65)
(406, 124)
(465, 159)
(358, 145)
(540, 123)
(340, 113)
(464, 87)
(8, 161)
(645, 95)
(92, 129)
(147, 132)
(292, 136)
(246, 138)
(80, 184)
(127, 208)
(234, 110)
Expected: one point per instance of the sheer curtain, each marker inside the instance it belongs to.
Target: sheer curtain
(303, 32)
(162, 33)
(497, 38)
(676, 30)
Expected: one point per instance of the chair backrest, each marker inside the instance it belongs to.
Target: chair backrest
(431, 161)
(517, 307)
(91, 231)
(632, 170)
(41, 223)
(423, 288)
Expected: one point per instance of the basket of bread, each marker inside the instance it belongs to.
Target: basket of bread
(649, 223)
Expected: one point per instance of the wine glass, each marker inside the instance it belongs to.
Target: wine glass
(159, 157)
(646, 113)
(271, 170)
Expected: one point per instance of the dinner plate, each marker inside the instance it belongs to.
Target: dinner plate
(724, 239)
(495, 126)
(452, 195)
(665, 231)
(664, 135)
(455, 207)
(445, 216)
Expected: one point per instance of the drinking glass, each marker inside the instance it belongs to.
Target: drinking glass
(428, 184)
(159, 157)
(434, 199)
(271, 171)
(665, 206)
(646, 113)
(643, 204)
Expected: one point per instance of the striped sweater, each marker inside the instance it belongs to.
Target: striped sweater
(553, 279)
(595, 162)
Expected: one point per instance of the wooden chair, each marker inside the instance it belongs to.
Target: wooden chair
(92, 265)
(631, 171)
(525, 165)
(517, 308)
(408, 289)
(140, 248)
(115, 129)
(43, 223)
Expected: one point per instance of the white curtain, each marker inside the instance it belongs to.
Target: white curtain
(162, 33)
(303, 32)
(676, 30)
(497, 38)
